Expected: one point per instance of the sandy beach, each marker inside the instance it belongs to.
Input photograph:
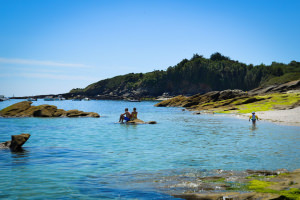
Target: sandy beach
(289, 117)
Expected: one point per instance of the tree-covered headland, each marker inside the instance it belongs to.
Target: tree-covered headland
(192, 76)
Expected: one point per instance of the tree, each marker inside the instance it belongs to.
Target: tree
(218, 57)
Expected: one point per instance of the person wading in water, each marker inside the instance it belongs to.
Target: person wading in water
(253, 117)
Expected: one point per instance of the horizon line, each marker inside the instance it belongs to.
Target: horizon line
(39, 62)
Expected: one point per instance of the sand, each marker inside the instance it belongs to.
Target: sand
(289, 117)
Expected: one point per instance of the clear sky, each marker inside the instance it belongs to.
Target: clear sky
(52, 46)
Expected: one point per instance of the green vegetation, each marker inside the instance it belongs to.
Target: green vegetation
(284, 186)
(270, 102)
(260, 186)
(196, 75)
(263, 187)
(264, 103)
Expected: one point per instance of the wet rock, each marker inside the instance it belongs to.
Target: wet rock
(93, 114)
(16, 142)
(138, 121)
(24, 109)
(265, 172)
(151, 122)
(77, 113)
(226, 196)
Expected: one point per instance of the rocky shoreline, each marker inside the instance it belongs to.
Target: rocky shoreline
(229, 184)
(25, 109)
(278, 104)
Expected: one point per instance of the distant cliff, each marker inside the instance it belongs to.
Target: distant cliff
(193, 76)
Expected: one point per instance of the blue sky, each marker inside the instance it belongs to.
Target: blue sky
(52, 46)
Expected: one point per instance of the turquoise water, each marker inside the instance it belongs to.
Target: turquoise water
(96, 158)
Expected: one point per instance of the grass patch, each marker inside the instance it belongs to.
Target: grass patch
(259, 177)
(282, 79)
(268, 102)
(262, 187)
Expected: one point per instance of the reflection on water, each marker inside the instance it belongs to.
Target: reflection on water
(95, 158)
(20, 157)
(254, 127)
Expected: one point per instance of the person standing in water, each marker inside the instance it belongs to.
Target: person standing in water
(253, 117)
(125, 116)
(134, 114)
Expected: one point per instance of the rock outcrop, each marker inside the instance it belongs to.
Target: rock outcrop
(16, 142)
(193, 101)
(24, 109)
(292, 85)
(237, 101)
(138, 121)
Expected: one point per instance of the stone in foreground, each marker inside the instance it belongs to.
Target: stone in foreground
(16, 142)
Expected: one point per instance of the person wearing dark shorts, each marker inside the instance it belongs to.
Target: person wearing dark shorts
(125, 116)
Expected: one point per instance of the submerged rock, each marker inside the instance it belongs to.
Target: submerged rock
(24, 109)
(16, 142)
(138, 121)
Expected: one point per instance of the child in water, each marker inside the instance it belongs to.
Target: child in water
(134, 114)
(253, 117)
(125, 116)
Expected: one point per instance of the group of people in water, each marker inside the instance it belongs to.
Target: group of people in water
(127, 116)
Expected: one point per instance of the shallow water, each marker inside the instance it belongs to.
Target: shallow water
(97, 158)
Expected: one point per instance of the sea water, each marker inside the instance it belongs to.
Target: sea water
(98, 158)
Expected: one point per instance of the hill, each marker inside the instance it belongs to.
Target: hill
(193, 76)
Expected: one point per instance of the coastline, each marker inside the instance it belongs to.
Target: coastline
(290, 117)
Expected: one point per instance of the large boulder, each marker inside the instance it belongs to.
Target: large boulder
(41, 111)
(16, 142)
(15, 109)
(78, 113)
(24, 109)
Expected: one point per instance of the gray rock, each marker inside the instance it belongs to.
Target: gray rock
(292, 85)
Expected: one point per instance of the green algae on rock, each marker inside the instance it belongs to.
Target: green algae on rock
(259, 185)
